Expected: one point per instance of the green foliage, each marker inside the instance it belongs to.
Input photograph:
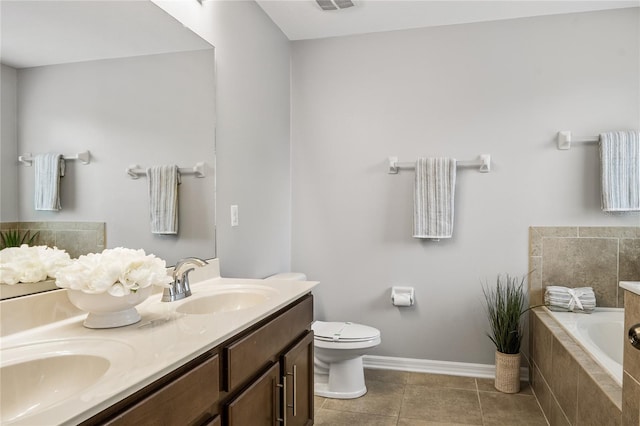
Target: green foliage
(12, 238)
(505, 306)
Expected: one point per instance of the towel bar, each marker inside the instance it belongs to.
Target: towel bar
(483, 163)
(564, 139)
(135, 171)
(83, 157)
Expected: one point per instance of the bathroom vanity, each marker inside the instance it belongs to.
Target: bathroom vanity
(212, 366)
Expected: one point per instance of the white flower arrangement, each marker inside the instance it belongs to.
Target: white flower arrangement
(31, 264)
(119, 272)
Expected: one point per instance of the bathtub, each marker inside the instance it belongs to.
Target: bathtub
(600, 333)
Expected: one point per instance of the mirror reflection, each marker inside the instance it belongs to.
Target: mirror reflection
(131, 85)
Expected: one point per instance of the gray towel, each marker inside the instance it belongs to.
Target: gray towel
(433, 197)
(49, 168)
(620, 171)
(163, 199)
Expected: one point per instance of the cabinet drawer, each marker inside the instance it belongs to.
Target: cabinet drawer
(186, 400)
(252, 353)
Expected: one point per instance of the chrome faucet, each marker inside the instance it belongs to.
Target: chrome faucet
(179, 288)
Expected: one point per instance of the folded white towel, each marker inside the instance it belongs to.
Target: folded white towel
(620, 171)
(433, 197)
(163, 198)
(49, 168)
(579, 299)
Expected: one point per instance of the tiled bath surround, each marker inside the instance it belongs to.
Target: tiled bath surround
(77, 238)
(571, 387)
(597, 257)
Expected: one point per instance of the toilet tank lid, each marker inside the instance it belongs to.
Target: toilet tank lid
(343, 331)
(289, 276)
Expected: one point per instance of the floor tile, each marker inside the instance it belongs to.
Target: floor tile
(318, 402)
(441, 405)
(501, 409)
(488, 385)
(441, 381)
(381, 399)
(388, 376)
(345, 418)
(416, 422)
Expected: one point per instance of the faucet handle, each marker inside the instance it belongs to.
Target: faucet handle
(184, 282)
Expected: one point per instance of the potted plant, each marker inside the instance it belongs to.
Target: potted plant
(505, 305)
(12, 238)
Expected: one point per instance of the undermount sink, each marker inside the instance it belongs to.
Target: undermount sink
(37, 376)
(226, 300)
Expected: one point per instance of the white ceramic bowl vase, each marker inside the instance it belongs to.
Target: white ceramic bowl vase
(107, 311)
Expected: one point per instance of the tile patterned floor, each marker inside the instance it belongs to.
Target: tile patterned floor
(399, 398)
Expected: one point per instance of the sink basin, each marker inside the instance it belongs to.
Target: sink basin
(32, 385)
(37, 376)
(226, 300)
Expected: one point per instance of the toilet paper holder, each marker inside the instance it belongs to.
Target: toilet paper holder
(402, 296)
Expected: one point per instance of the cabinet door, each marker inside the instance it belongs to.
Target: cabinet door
(185, 401)
(297, 364)
(259, 404)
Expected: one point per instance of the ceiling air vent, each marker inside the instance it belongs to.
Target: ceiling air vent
(334, 4)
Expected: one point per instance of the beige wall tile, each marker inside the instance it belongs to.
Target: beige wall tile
(578, 262)
(564, 380)
(609, 231)
(542, 347)
(594, 408)
(556, 231)
(630, 260)
(541, 390)
(631, 317)
(631, 401)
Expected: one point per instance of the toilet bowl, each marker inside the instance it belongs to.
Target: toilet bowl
(338, 350)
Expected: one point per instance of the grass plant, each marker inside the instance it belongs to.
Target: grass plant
(13, 238)
(505, 305)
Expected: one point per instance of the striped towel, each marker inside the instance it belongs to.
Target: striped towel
(434, 191)
(49, 168)
(620, 171)
(163, 198)
(580, 299)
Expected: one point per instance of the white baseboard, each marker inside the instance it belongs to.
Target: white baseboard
(435, 367)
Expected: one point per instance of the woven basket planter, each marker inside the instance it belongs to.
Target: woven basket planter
(507, 372)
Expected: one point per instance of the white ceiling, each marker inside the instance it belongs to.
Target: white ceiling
(46, 32)
(304, 19)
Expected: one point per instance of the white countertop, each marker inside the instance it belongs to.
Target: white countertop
(146, 351)
(632, 286)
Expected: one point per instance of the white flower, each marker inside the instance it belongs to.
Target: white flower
(26, 264)
(119, 272)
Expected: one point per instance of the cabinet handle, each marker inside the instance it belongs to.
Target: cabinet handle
(283, 420)
(293, 397)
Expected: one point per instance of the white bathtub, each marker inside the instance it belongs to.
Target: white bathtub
(600, 333)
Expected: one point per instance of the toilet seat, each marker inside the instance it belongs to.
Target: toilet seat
(345, 335)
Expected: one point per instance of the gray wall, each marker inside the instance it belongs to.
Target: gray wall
(146, 110)
(8, 144)
(252, 133)
(503, 88)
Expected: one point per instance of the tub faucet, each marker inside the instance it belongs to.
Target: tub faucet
(179, 288)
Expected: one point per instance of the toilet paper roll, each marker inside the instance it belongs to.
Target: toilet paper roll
(401, 300)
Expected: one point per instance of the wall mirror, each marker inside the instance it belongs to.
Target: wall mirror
(128, 83)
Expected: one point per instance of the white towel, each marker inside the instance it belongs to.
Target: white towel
(49, 168)
(580, 299)
(163, 198)
(433, 196)
(620, 171)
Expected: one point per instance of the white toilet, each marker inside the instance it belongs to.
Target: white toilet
(338, 350)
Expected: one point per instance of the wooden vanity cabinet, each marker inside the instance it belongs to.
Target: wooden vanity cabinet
(262, 376)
